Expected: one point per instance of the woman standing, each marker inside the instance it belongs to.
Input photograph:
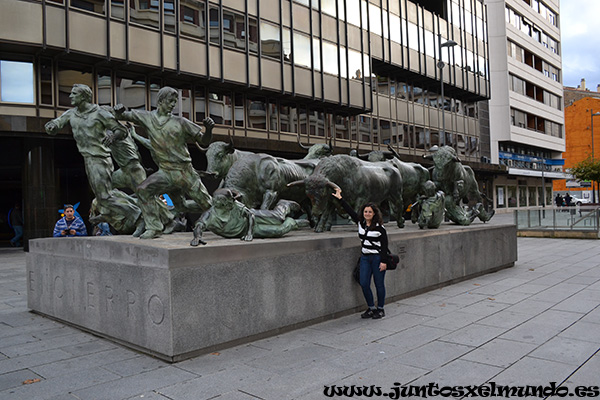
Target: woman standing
(374, 258)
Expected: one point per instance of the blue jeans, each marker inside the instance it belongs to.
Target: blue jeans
(18, 235)
(369, 266)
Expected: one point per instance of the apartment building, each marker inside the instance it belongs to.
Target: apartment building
(271, 73)
(526, 107)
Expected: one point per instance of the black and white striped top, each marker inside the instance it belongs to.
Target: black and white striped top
(374, 239)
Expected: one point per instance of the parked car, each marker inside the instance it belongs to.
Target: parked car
(580, 201)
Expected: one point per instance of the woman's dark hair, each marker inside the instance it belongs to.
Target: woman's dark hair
(377, 216)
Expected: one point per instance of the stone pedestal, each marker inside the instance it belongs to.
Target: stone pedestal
(174, 301)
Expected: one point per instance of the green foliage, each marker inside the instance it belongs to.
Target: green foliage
(586, 170)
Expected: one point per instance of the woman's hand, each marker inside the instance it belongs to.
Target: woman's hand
(382, 266)
(337, 194)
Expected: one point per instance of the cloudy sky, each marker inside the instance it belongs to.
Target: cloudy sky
(580, 35)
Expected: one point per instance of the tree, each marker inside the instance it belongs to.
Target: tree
(587, 170)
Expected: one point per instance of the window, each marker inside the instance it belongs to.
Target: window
(220, 107)
(273, 115)
(192, 19)
(330, 60)
(144, 12)
(239, 110)
(184, 105)
(95, 6)
(104, 88)
(256, 112)
(169, 15)
(199, 104)
(234, 30)
(117, 9)
(16, 82)
(68, 75)
(288, 114)
(270, 40)
(215, 33)
(302, 50)
(46, 92)
(130, 92)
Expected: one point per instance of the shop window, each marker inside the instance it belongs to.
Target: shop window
(522, 196)
(500, 197)
(131, 92)
(512, 196)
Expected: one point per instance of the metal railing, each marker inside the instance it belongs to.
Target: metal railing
(583, 218)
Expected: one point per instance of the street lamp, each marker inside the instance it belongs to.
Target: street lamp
(441, 65)
(592, 129)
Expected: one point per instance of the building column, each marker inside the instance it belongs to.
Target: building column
(40, 191)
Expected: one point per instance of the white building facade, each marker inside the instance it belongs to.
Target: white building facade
(526, 106)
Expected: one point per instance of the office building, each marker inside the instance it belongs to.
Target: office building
(526, 107)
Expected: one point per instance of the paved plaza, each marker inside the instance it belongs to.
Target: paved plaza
(532, 324)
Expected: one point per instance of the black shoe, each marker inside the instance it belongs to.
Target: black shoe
(378, 314)
(368, 314)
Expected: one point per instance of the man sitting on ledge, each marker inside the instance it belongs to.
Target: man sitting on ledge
(69, 225)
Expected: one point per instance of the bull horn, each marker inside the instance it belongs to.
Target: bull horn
(202, 149)
(434, 148)
(428, 156)
(206, 174)
(301, 145)
(364, 157)
(331, 142)
(394, 152)
(332, 185)
(296, 183)
(229, 147)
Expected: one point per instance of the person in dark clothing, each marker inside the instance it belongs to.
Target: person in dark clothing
(558, 200)
(374, 258)
(16, 222)
(568, 200)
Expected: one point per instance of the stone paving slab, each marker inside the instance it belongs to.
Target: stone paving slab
(529, 325)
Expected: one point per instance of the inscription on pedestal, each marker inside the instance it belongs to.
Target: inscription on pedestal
(97, 297)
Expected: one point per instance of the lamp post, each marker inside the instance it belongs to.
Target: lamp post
(441, 65)
(592, 129)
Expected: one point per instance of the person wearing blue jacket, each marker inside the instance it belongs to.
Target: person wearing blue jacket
(70, 225)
